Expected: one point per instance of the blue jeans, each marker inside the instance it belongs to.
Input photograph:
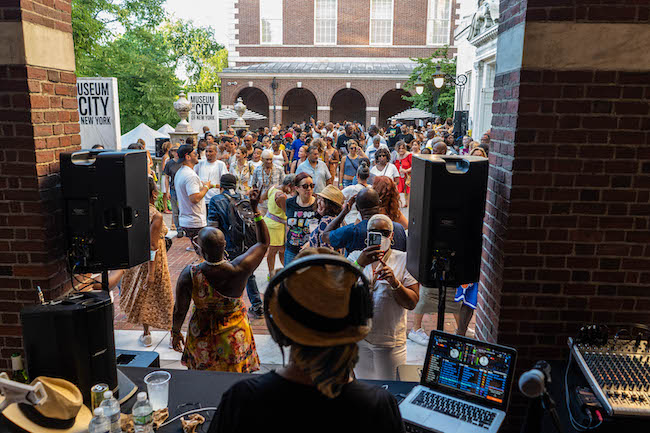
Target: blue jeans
(174, 199)
(253, 293)
(288, 256)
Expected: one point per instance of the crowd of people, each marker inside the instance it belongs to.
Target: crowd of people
(287, 193)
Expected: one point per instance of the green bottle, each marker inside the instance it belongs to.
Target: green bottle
(18, 372)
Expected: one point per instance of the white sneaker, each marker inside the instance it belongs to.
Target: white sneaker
(146, 340)
(420, 337)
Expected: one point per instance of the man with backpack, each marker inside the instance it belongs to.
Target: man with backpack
(234, 216)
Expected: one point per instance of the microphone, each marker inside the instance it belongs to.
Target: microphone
(533, 382)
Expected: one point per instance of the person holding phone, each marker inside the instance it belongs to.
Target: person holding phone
(394, 292)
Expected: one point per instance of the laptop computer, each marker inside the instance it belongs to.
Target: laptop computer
(464, 388)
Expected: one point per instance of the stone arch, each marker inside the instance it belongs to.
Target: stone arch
(298, 105)
(348, 104)
(392, 103)
(257, 101)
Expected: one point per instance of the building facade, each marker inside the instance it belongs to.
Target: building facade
(476, 42)
(332, 60)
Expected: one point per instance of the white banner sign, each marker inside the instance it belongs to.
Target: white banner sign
(99, 112)
(205, 112)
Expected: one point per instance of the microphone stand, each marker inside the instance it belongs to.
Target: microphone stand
(549, 404)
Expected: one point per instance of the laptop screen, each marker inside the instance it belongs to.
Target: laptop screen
(466, 368)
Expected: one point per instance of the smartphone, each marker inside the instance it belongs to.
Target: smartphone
(373, 239)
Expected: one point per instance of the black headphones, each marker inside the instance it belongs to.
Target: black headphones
(361, 305)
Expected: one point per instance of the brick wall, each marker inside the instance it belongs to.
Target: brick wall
(353, 28)
(298, 22)
(48, 13)
(249, 21)
(567, 219)
(38, 120)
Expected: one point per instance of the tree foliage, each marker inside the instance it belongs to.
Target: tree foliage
(95, 22)
(144, 68)
(438, 101)
(196, 51)
(136, 42)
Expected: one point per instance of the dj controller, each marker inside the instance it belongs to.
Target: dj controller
(618, 372)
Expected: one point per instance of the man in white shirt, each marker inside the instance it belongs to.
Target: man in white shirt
(190, 192)
(210, 170)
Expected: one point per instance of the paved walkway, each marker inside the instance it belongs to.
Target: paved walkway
(126, 334)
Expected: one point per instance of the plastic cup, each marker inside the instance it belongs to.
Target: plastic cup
(158, 388)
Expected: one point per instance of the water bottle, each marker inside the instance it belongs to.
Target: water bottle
(111, 408)
(143, 414)
(99, 423)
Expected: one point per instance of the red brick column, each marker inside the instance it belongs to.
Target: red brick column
(567, 220)
(38, 120)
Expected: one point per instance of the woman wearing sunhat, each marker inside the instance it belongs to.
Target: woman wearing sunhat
(329, 203)
(316, 390)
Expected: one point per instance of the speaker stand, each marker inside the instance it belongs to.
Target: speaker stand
(441, 270)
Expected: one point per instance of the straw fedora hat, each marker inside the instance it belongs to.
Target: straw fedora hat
(63, 410)
(333, 194)
(313, 304)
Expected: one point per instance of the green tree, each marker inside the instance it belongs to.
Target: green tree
(145, 70)
(438, 101)
(95, 22)
(197, 53)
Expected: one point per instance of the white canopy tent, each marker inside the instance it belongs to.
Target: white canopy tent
(229, 113)
(412, 114)
(166, 129)
(144, 132)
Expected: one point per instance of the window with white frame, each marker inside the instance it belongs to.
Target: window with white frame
(438, 22)
(271, 21)
(381, 22)
(325, 21)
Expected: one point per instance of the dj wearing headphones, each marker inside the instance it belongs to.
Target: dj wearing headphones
(320, 306)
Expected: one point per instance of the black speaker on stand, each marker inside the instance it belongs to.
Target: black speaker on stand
(106, 205)
(446, 221)
(106, 217)
(461, 124)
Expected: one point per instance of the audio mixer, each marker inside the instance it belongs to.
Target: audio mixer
(618, 372)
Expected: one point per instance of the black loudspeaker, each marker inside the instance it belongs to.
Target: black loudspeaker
(446, 216)
(73, 339)
(461, 123)
(106, 205)
(159, 146)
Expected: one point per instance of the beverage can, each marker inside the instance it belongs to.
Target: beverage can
(97, 394)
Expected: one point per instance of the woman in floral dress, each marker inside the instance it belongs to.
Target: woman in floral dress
(147, 297)
(219, 337)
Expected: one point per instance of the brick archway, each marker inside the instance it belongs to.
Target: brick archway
(298, 105)
(348, 104)
(392, 103)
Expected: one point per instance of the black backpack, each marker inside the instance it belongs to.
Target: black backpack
(242, 225)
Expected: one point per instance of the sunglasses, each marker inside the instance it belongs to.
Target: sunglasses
(385, 233)
(307, 186)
